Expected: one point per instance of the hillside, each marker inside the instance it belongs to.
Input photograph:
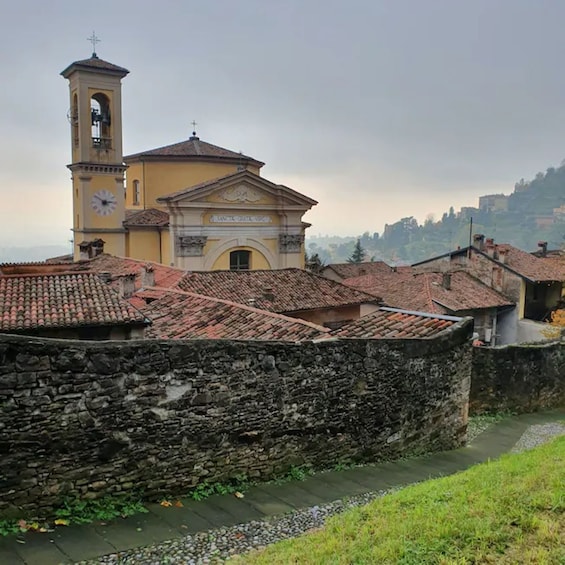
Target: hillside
(535, 211)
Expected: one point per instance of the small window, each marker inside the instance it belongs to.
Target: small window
(240, 260)
(136, 192)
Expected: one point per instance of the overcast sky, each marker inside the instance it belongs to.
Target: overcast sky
(378, 109)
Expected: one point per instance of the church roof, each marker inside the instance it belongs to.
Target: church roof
(195, 149)
(149, 217)
(96, 64)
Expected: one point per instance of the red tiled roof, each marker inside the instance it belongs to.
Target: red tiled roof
(95, 63)
(529, 266)
(194, 148)
(119, 266)
(424, 292)
(35, 268)
(182, 315)
(149, 217)
(399, 324)
(281, 290)
(350, 270)
(62, 300)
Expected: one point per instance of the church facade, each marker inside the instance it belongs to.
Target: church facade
(191, 204)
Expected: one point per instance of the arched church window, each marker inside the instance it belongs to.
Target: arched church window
(240, 260)
(136, 192)
(100, 121)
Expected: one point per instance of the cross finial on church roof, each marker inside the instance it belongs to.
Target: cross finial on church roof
(94, 40)
(194, 124)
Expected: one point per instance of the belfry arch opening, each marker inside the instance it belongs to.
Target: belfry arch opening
(100, 121)
(74, 120)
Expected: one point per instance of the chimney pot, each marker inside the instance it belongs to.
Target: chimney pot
(269, 293)
(105, 276)
(446, 281)
(479, 241)
(147, 276)
(126, 286)
(543, 247)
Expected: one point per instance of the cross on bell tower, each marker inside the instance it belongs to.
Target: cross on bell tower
(94, 40)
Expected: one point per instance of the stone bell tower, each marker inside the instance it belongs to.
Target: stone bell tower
(97, 165)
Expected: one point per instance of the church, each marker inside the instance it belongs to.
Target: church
(192, 204)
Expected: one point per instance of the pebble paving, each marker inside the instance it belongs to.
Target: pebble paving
(216, 546)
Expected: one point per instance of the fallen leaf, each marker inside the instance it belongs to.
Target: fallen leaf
(42, 530)
(238, 494)
(22, 524)
(179, 504)
(166, 503)
(61, 522)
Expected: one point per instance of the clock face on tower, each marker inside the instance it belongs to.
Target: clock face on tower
(103, 202)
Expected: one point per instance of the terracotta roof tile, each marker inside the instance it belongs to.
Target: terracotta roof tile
(183, 315)
(531, 267)
(399, 324)
(119, 266)
(281, 290)
(149, 217)
(194, 148)
(62, 300)
(350, 270)
(424, 292)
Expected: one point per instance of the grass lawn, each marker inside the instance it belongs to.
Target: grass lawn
(508, 511)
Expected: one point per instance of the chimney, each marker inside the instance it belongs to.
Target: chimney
(502, 255)
(269, 293)
(147, 276)
(446, 281)
(543, 248)
(479, 241)
(105, 276)
(97, 247)
(126, 286)
(84, 249)
(489, 247)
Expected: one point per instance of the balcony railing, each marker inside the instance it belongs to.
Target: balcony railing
(104, 143)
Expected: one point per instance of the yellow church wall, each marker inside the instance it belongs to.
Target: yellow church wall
(159, 178)
(258, 260)
(144, 245)
(166, 247)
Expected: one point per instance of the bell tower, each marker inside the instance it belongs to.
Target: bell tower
(97, 163)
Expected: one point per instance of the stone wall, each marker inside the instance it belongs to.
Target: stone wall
(92, 418)
(518, 378)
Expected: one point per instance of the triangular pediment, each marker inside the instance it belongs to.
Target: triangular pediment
(239, 189)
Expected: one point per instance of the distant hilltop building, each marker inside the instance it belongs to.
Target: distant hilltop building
(493, 203)
(191, 204)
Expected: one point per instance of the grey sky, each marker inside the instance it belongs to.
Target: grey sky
(377, 108)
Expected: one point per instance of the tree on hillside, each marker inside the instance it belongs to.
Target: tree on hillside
(358, 253)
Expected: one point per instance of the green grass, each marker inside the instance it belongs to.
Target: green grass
(508, 511)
